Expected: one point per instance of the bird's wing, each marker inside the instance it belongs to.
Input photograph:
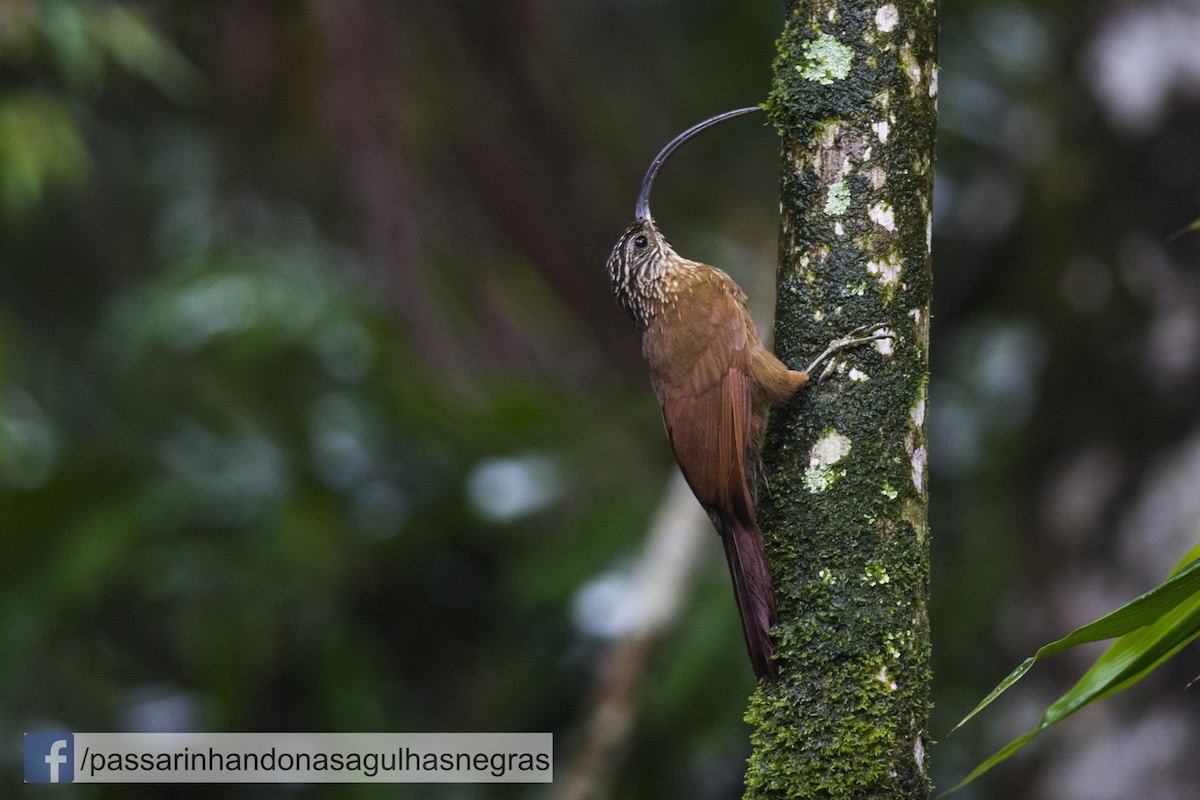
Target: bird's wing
(706, 395)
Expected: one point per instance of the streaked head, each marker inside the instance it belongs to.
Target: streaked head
(639, 258)
(642, 254)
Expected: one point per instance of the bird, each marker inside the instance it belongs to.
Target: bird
(715, 382)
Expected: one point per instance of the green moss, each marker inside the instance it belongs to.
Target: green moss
(875, 575)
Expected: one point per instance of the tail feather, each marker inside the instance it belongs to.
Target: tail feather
(753, 590)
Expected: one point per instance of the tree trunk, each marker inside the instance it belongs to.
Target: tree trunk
(845, 512)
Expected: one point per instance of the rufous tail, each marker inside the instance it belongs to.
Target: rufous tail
(753, 590)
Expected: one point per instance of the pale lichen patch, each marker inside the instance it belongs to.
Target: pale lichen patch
(914, 441)
(817, 480)
(886, 270)
(886, 18)
(856, 374)
(831, 448)
(918, 468)
(882, 129)
(917, 413)
(825, 60)
(886, 344)
(883, 215)
(877, 177)
(838, 199)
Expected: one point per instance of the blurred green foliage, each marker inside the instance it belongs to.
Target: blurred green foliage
(40, 147)
(235, 496)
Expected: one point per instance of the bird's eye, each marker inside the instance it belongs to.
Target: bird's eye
(640, 241)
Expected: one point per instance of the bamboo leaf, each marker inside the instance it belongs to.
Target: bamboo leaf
(1151, 629)
(1182, 585)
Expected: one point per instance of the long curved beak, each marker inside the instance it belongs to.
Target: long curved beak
(642, 211)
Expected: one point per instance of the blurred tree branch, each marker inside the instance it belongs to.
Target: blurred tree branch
(354, 93)
(664, 571)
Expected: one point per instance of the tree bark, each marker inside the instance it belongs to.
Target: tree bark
(845, 515)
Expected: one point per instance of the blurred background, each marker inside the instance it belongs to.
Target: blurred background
(316, 413)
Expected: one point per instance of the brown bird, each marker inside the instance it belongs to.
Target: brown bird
(715, 382)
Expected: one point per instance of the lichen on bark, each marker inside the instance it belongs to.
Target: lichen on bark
(855, 100)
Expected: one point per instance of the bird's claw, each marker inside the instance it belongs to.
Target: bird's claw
(865, 334)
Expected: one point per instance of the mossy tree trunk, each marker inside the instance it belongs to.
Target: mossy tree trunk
(845, 515)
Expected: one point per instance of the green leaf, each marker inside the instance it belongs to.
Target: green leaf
(1152, 628)
(41, 145)
(1194, 226)
(146, 53)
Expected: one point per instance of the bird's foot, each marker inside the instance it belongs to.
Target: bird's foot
(865, 334)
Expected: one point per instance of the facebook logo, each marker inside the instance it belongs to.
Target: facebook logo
(49, 757)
